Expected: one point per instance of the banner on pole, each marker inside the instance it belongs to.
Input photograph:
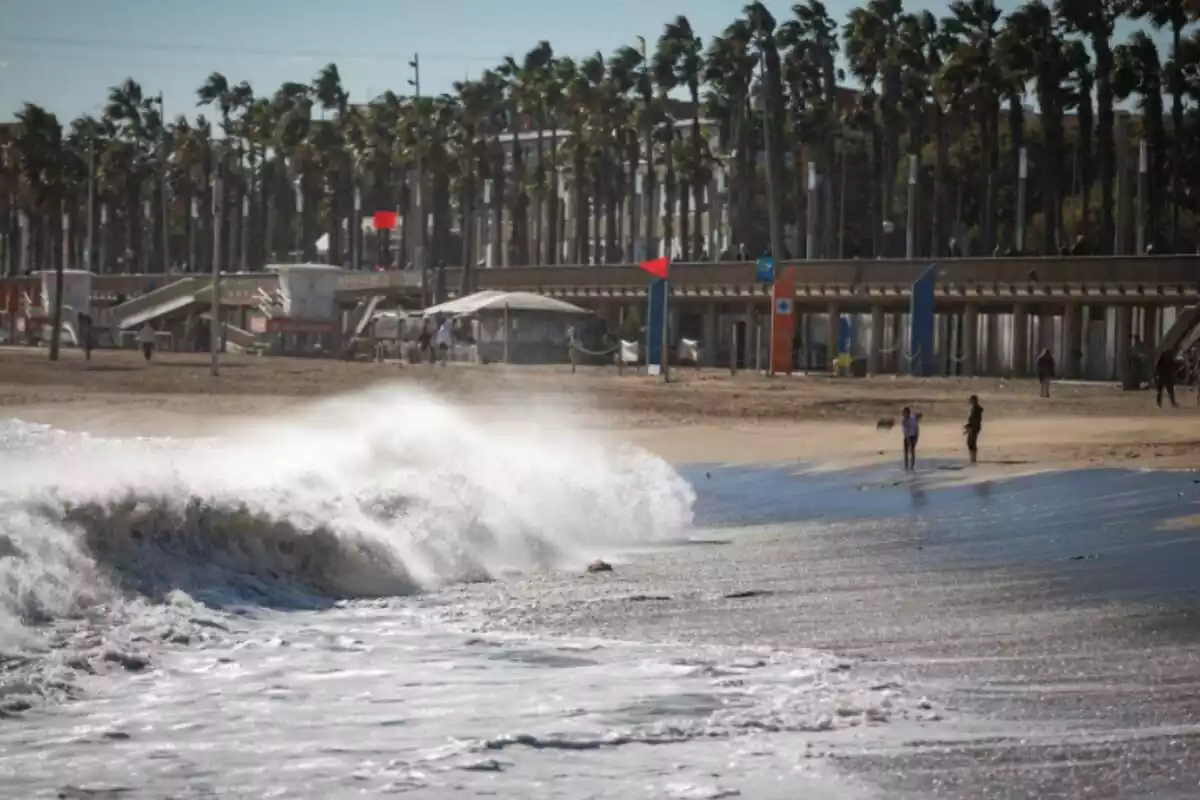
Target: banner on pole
(783, 321)
(656, 321)
(921, 323)
(764, 270)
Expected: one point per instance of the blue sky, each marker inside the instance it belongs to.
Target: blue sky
(64, 54)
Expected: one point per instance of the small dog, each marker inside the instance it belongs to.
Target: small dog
(885, 424)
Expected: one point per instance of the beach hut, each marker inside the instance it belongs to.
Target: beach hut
(512, 327)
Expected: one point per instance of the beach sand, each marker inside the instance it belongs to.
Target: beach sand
(702, 416)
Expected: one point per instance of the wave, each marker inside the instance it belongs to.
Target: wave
(384, 493)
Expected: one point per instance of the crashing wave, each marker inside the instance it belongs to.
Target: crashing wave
(385, 493)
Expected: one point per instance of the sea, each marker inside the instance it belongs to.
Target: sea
(384, 595)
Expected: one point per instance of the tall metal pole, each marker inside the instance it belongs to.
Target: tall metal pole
(162, 186)
(666, 331)
(841, 208)
(102, 252)
(418, 202)
(810, 224)
(244, 230)
(195, 221)
(910, 235)
(1022, 186)
(91, 202)
(299, 221)
(23, 226)
(1143, 176)
(355, 228)
(56, 314)
(214, 330)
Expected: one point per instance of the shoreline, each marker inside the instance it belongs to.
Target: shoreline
(705, 417)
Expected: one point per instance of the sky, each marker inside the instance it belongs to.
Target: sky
(65, 54)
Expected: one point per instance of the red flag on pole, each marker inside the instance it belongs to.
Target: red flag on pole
(659, 267)
(385, 220)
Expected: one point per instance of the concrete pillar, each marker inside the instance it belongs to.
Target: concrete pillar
(1149, 326)
(1020, 340)
(708, 345)
(1045, 330)
(970, 340)
(875, 349)
(900, 362)
(1124, 334)
(832, 325)
(751, 335)
(1072, 348)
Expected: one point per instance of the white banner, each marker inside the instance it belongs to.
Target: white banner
(630, 351)
(689, 351)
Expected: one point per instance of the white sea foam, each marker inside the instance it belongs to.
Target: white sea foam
(383, 493)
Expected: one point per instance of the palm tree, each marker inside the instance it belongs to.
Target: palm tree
(873, 47)
(1081, 98)
(682, 52)
(1035, 23)
(1095, 20)
(973, 24)
(762, 26)
(1017, 69)
(40, 165)
(1138, 71)
(811, 40)
(1173, 14)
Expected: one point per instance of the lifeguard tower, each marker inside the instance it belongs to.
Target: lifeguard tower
(302, 314)
(77, 299)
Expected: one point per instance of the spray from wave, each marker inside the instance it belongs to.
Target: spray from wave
(384, 493)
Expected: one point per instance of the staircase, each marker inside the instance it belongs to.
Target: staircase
(152, 305)
(1183, 334)
(357, 324)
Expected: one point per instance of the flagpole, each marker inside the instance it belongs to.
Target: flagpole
(665, 332)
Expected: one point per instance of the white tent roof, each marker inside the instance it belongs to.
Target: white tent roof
(496, 300)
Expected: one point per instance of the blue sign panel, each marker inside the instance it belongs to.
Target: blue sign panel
(921, 324)
(764, 270)
(656, 318)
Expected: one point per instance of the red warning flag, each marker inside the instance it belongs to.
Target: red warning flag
(659, 267)
(385, 220)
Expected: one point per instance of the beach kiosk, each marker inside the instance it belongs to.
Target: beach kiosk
(302, 314)
(77, 299)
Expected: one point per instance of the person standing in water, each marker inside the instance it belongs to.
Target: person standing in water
(1045, 370)
(145, 339)
(910, 428)
(974, 426)
(445, 339)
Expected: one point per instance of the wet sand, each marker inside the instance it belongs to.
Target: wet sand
(1054, 627)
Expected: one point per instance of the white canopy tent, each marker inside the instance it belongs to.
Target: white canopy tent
(516, 302)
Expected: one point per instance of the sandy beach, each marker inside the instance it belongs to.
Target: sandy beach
(702, 416)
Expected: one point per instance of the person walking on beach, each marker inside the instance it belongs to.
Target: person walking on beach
(974, 426)
(86, 334)
(1164, 377)
(1045, 370)
(145, 339)
(444, 340)
(910, 428)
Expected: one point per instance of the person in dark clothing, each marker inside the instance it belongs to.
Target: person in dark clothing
(1045, 370)
(86, 336)
(1164, 377)
(973, 427)
(910, 428)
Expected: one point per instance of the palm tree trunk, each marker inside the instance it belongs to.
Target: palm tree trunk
(1104, 102)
